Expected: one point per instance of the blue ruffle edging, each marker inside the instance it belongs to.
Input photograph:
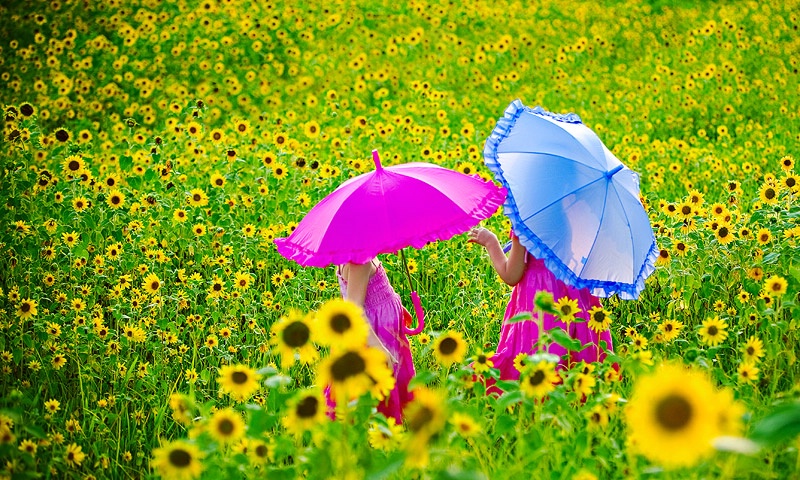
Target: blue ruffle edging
(534, 245)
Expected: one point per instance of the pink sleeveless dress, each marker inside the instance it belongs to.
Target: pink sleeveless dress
(386, 314)
(516, 338)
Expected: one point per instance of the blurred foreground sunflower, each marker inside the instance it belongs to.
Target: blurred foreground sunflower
(673, 417)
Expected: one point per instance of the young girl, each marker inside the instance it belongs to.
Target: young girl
(528, 275)
(367, 285)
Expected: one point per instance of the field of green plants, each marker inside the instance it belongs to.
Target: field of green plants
(152, 151)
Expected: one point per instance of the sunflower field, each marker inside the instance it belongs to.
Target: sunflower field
(152, 151)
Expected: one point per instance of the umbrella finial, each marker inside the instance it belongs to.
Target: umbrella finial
(376, 159)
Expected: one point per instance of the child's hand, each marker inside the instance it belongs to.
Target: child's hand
(480, 235)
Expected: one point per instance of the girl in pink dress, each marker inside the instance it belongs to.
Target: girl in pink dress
(367, 285)
(529, 275)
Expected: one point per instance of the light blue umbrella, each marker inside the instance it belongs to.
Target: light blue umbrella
(571, 202)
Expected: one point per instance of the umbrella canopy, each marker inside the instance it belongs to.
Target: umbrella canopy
(571, 202)
(387, 209)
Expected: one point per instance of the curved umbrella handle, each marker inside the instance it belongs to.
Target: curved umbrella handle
(419, 312)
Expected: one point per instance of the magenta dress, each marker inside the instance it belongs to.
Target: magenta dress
(516, 338)
(386, 314)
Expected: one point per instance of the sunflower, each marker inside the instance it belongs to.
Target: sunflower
(260, 452)
(729, 413)
(450, 348)
(352, 372)
(713, 331)
(584, 383)
(599, 319)
(521, 361)
(768, 194)
(151, 284)
(763, 236)
(74, 455)
(724, 233)
(775, 286)
(115, 199)
(672, 416)
(385, 436)
(538, 380)
(293, 333)
(311, 129)
(197, 198)
(73, 166)
(27, 309)
(747, 372)
(306, 410)
(597, 417)
(238, 381)
(482, 362)
(566, 309)
(341, 323)
(787, 163)
(753, 349)
(425, 415)
(179, 460)
(217, 180)
(670, 329)
(465, 425)
(226, 425)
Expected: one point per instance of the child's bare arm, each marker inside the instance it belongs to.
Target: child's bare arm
(509, 268)
(357, 278)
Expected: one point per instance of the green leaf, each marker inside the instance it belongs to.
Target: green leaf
(562, 338)
(422, 378)
(520, 317)
(125, 163)
(387, 467)
(509, 398)
(781, 425)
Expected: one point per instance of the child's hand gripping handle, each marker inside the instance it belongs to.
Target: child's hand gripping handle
(419, 312)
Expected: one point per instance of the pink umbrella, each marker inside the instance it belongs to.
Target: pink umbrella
(388, 209)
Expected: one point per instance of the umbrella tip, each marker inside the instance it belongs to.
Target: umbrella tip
(376, 159)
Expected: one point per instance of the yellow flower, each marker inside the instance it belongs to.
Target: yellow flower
(226, 425)
(599, 319)
(670, 329)
(27, 309)
(566, 309)
(753, 349)
(724, 233)
(450, 348)
(385, 437)
(465, 425)
(151, 284)
(293, 333)
(748, 372)
(52, 405)
(178, 460)
(672, 416)
(538, 380)
(238, 381)
(74, 455)
(306, 410)
(768, 194)
(713, 331)
(341, 323)
(115, 199)
(425, 417)
(775, 286)
(354, 372)
(482, 362)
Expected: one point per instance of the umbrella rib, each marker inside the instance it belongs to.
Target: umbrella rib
(557, 156)
(597, 233)
(561, 198)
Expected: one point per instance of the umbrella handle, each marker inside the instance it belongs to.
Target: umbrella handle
(420, 313)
